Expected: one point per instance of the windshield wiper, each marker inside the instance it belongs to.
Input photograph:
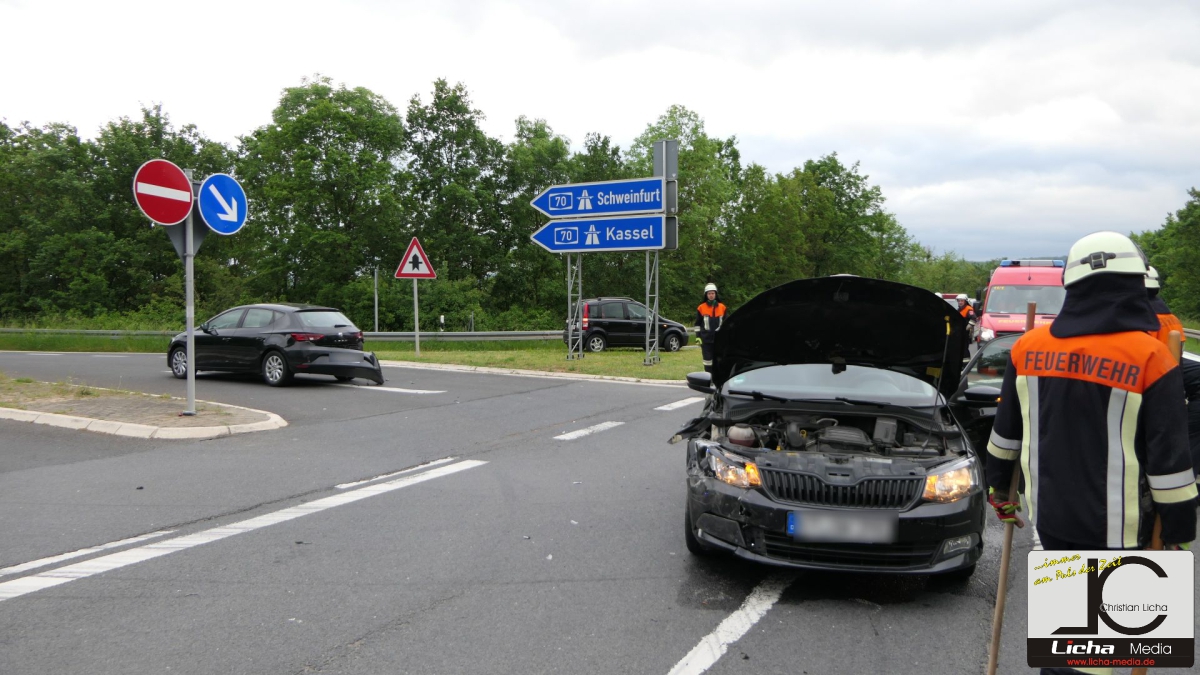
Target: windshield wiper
(759, 396)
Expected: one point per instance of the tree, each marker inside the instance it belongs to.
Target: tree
(1175, 251)
(325, 188)
(455, 194)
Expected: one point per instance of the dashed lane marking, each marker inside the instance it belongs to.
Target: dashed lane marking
(52, 560)
(570, 436)
(680, 404)
(31, 584)
(715, 644)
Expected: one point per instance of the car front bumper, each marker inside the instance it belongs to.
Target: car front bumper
(930, 538)
(336, 362)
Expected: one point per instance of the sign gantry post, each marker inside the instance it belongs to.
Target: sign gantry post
(636, 214)
(415, 265)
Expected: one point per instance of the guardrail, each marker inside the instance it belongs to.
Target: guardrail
(409, 336)
(1194, 334)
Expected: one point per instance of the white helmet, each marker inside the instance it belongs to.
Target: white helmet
(961, 296)
(1152, 279)
(1103, 253)
(710, 287)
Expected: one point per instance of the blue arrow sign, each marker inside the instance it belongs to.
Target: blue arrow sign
(593, 235)
(608, 198)
(222, 204)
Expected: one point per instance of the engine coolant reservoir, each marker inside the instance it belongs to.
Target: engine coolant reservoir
(742, 434)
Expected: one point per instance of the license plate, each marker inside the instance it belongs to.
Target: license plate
(868, 527)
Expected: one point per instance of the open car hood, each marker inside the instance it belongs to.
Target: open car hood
(845, 320)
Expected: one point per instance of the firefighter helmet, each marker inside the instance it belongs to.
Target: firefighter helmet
(710, 287)
(1152, 279)
(1103, 253)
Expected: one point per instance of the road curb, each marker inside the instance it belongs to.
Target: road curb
(533, 373)
(132, 430)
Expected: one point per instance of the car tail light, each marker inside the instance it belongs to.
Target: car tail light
(585, 316)
(357, 336)
(306, 337)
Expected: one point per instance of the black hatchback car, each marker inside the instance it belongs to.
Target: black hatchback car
(621, 322)
(827, 444)
(278, 341)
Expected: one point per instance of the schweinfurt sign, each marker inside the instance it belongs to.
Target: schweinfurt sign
(593, 235)
(607, 198)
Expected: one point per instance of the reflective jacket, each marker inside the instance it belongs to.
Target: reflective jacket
(1099, 425)
(709, 318)
(1169, 323)
(967, 312)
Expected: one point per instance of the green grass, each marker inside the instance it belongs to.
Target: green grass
(37, 342)
(545, 355)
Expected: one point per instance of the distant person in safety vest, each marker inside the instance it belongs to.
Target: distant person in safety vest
(709, 316)
(1191, 369)
(1092, 406)
(968, 313)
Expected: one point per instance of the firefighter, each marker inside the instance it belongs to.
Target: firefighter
(1191, 369)
(1102, 402)
(1090, 383)
(968, 313)
(709, 316)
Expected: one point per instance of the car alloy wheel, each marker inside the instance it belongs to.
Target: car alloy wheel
(275, 370)
(673, 343)
(596, 343)
(179, 364)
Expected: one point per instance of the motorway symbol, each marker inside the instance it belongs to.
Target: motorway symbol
(222, 203)
(588, 235)
(163, 192)
(415, 264)
(607, 198)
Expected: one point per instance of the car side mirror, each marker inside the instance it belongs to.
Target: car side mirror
(981, 395)
(206, 328)
(701, 382)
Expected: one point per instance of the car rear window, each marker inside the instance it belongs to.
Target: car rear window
(612, 310)
(324, 319)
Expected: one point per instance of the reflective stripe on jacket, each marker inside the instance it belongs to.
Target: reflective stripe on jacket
(709, 317)
(1099, 425)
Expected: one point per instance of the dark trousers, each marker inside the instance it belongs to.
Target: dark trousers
(706, 353)
(1053, 544)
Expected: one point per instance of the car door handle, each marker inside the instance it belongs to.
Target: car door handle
(225, 339)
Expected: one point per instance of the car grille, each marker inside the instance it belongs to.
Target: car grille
(870, 493)
(896, 556)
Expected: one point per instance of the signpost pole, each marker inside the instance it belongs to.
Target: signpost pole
(416, 320)
(376, 298)
(188, 265)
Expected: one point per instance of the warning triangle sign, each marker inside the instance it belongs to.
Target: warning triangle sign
(415, 264)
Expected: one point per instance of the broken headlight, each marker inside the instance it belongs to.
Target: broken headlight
(734, 470)
(952, 483)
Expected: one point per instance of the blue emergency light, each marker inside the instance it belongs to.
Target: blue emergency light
(1032, 263)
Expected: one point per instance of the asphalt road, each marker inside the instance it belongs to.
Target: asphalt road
(524, 553)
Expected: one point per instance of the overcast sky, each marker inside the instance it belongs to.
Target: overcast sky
(994, 129)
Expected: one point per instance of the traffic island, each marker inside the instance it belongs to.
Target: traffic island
(125, 413)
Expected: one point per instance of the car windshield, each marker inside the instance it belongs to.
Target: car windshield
(1015, 299)
(817, 380)
(324, 319)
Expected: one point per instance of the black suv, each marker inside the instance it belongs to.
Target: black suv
(621, 322)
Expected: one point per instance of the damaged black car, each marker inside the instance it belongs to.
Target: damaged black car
(828, 442)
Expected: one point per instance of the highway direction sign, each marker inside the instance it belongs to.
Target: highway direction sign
(592, 235)
(222, 203)
(607, 198)
(415, 264)
(162, 192)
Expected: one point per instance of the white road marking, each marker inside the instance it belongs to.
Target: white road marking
(393, 474)
(25, 585)
(590, 430)
(164, 192)
(24, 567)
(108, 356)
(43, 354)
(715, 644)
(681, 404)
(397, 390)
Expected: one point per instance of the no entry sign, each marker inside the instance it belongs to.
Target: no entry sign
(162, 192)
